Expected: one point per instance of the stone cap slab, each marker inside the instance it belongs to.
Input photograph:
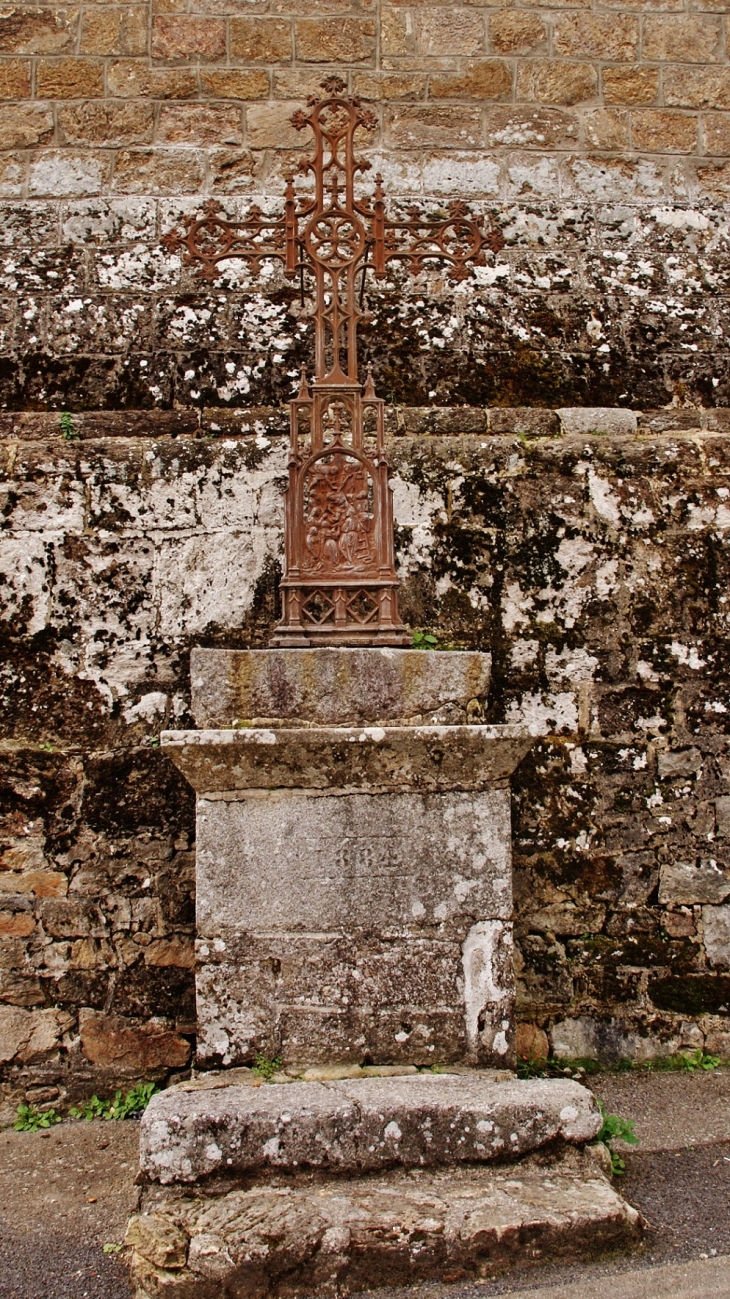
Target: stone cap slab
(329, 686)
(358, 1125)
(418, 758)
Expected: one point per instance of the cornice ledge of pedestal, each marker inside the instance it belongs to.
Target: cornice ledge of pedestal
(422, 759)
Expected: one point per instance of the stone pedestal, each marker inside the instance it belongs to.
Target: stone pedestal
(354, 919)
(354, 893)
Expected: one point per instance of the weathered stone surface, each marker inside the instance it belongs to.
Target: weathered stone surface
(432, 758)
(30, 1036)
(275, 860)
(689, 882)
(716, 926)
(331, 686)
(357, 995)
(188, 37)
(395, 1229)
(127, 1047)
(358, 1125)
(344, 927)
(585, 419)
(157, 1240)
(154, 539)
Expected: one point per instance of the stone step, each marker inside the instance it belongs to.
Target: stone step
(353, 1125)
(334, 1236)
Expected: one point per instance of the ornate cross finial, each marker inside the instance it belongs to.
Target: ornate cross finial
(339, 585)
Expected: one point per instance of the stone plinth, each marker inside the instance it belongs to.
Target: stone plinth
(336, 1187)
(329, 687)
(354, 892)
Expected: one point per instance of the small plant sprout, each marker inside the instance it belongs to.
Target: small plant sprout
(30, 1119)
(699, 1059)
(266, 1068)
(615, 1128)
(425, 640)
(69, 431)
(129, 1106)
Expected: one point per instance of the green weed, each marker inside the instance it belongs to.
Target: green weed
(266, 1068)
(539, 1067)
(428, 640)
(134, 1102)
(683, 1062)
(68, 429)
(30, 1119)
(615, 1128)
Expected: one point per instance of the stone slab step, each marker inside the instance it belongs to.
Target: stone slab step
(359, 1124)
(334, 1236)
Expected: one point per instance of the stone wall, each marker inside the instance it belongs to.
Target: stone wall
(596, 136)
(144, 516)
(586, 549)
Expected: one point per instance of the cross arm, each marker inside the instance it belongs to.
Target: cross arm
(211, 238)
(455, 237)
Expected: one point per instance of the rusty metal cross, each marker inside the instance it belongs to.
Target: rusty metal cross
(339, 585)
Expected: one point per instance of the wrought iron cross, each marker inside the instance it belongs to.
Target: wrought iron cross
(339, 585)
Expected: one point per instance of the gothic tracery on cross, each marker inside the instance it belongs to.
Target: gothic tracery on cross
(339, 585)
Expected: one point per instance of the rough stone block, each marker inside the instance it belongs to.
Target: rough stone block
(60, 173)
(188, 37)
(358, 1125)
(268, 126)
(663, 131)
(280, 873)
(134, 79)
(112, 30)
(261, 40)
(716, 933)
(527, 421)
(355, 995)
(15, 79)
(599, 36)
(31, 1036)
(37, 29)
(330, 40)
(698, 87)
(483, 79)
(127, 1046)
(516, 32)
(635, 85)
(599, 419)
(697, 36)
(200, 124)
(394, 1229)
(235, 83)
(158, 171)
(99, 122)
(435, 126)
(331, 686)
(686, 883)
(23, 125)
(449, 31)
(556, 81)
(69, 78)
